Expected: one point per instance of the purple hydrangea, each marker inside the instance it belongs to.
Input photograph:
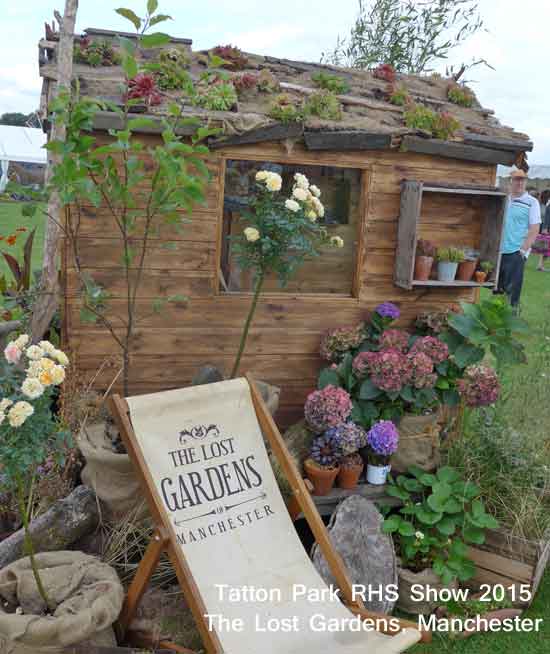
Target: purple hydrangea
(383, 438)
(322, 451)
(347, 438)
(327, 408)
(388, 310)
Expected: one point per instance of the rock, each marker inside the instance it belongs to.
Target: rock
(207, 375)
(369, 556)
(298, 440)
(65, 522)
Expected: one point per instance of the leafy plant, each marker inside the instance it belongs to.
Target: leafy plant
(450, 255)
(440, 516)
(217, 96)
(398, 95)
(445, 125)
(487, 266)
(323, 104)
(233, 58)
(332, 83)
(460, 95)
(285, 110)
(95, 53)
(171, 70)
(439, 125)
(425, 248)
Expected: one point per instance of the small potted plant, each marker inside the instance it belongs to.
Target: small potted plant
(447, 263)
(321, 467)
(466, 268)
(486, 268)
(382, 440)
(346, 440)
(425, 253)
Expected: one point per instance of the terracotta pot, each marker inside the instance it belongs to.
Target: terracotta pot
(480, 276)
(348, 476)
(466, 270)
(422, 268)
(321, 478)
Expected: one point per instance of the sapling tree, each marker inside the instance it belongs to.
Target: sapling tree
(138, 186)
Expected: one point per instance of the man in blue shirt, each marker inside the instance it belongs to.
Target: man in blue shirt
(521, 228)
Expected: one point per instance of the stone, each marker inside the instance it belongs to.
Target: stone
(207, 375)
(298, 439)
(355, 531)
(65, 522)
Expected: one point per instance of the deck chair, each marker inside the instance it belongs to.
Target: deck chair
(220, 516)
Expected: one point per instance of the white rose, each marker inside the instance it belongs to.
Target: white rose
(32, 388)
(5, 404)
(315, 190)
(261, 175)
(274, 182)
(58, 375)
(22, 341)
(48, 347)
(300, 194)
(19, 412)
(292, 205)
(45, 364)
(35, 368)
(301, 181)
(318, 206)
(337, 241)
(311, 215)
(61, 357)
(251, 234)
(34, 352)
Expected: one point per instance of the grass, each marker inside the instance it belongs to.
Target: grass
(10, 219)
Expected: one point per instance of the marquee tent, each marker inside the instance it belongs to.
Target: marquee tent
(21, 145)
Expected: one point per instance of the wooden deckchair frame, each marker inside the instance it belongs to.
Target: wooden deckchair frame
(162, 541)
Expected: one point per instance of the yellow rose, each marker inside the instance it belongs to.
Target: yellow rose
(58, 375)
(45, 378)
(46, 364)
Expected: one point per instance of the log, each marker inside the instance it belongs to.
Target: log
(347, 140)
(455, 150)
(275, 132)
(496, 143)
(65, 522)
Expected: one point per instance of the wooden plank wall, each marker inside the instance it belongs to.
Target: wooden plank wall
(282, 347)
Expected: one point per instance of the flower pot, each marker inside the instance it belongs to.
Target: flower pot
(409, 601)
(446, 271)
(466, 270)
(480, 276)
(321, 478)
(348, 476)
(86, 592)
(377, 475)
(422, 268)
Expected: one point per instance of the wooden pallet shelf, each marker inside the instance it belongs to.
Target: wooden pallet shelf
(486, 233)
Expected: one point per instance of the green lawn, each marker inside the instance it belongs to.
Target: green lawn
(10, 219)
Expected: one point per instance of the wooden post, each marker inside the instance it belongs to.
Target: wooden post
(47, 300)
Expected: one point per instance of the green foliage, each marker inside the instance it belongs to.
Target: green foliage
(399, 96)
(285, 110)
(439, 125)
(323, 104)
(487, 266)
(267, 82)
(440, 516)
(332, 83)
(15, 118)
(460, 95)
(450, 255)
(408, 35)
(95, 53)
(230, 57)
(217, 96)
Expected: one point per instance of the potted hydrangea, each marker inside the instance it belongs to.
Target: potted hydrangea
(347, 439)
(321, 467)
(326, 408)
(382, 440)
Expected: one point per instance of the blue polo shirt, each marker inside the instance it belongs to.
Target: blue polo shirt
(523, 212)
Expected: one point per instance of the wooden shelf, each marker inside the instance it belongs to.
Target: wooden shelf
(487, 236)
(327, 503)
(436, 282)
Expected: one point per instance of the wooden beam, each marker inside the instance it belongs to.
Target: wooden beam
(276, 132)
(347, 140)
(496, 143)
(411, 200)
(104, 120)
(455, 150)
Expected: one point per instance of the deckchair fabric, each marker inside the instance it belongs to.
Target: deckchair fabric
(205, 452)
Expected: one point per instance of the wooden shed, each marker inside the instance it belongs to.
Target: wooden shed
(384, 185)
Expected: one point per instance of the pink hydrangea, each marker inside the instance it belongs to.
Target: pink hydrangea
(422, 370)
(389, 369)
(435, 348)
(327, 408)
(336, 342)
(479, 386)
(396, 339)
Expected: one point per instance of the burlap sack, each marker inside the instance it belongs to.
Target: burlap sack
(418, 443)
(87, 593)
(112, 474)
(419, 602)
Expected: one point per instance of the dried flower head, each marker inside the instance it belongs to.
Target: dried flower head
(435, 348)
(336, 342)
(479, 386)
(347, 438)
(322, 452)
(397, 339)
(327, 408)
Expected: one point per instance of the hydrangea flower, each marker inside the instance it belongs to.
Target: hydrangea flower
(434, 321)
(422, 370)
(396, 339)
(336, 342)
(480, 386)
(322, 452)
(435, 348)
(389, 369)
(347, 438)
(383, 438)
(327, 408)
(388, 310)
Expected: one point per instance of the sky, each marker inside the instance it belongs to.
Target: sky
(516, 43)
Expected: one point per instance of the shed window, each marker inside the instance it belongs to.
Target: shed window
(333, 271)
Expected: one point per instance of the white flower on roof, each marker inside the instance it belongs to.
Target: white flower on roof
(292, 205)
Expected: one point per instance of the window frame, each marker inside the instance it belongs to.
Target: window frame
(359, 241)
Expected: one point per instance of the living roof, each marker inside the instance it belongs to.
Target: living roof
(369, 120)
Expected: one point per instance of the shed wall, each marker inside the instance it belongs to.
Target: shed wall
(283, 342)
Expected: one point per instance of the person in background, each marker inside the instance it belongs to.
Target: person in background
(542, 244)
(521, 228)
